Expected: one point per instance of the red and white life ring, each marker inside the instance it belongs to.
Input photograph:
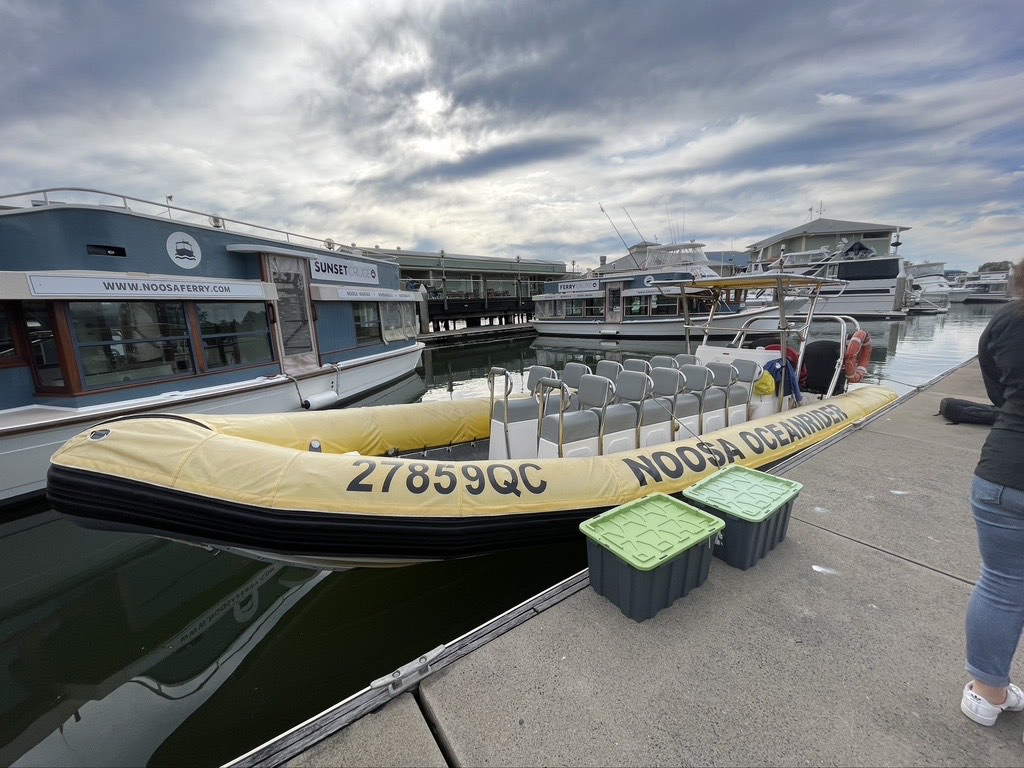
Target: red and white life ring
(858, 355)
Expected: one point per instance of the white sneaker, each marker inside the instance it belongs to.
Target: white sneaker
(980, 711)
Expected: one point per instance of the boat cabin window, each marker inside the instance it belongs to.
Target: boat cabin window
(45, 359)
(664, 305)
(398, 320)
(636, 306)
(289, 275)
(868, 269)
(367, 320)
(234, 333)
(7, 349)
(125, 341)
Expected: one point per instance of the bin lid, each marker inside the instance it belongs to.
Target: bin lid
(743, 493)
(648, 532)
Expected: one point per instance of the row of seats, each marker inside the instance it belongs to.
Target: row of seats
(617, 406)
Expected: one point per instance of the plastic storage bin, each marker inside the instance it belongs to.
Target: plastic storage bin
(755, 507)
(646, 554)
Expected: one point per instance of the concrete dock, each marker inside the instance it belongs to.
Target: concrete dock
(844, 646)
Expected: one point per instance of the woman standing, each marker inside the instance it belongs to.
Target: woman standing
(995, 613)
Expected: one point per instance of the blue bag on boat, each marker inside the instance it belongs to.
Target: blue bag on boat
(792, 387)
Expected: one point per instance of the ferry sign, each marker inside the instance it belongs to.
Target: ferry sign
(122, 287)
(337, 270)
(573, 286)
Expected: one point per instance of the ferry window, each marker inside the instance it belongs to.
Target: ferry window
(664, 305)
(543, 309)
(398, 320)
(39, 324)
(126, 341)
(367, 319)
(574, 308)
(289, 275)
(7, 351)
(636, 306)
(234, 333)
(593, 307)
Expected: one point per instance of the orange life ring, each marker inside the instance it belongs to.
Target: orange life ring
(858, 355)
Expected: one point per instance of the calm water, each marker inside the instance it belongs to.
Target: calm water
(129, 650)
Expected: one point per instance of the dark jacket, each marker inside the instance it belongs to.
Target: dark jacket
(1001, 356)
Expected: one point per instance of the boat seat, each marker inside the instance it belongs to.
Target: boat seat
(573, 433)
(725, 376)
(570, 376)
(632, 391)
(515, 421)
(664, 361)
(671, 395)
(669, 410)
(608, 368)
(712, 400)
(636, 364)
(684, 359)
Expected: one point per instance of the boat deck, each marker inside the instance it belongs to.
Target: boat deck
(844, 646)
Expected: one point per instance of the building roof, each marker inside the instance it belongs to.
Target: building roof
(827, 227)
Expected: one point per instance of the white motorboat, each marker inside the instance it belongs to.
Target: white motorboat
(873, 286)
(981, 288)
(644, 298)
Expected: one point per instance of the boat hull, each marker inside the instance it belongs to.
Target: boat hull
(252, 482)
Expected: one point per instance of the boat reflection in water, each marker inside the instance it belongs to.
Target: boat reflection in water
(132, 630)
(122, 649)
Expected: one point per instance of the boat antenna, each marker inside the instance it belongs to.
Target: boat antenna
(615, 228)
(631, 254)
(644, 239)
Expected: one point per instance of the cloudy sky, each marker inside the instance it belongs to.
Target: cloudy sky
(498, 128)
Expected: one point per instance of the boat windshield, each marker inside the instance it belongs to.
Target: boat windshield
(675, 255)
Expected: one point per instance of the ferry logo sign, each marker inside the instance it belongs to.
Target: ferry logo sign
(184, 250)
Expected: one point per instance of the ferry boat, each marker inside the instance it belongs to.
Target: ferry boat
(981, 288)
(444, 479)
(111, 305)
(875, 286)
(640, 297)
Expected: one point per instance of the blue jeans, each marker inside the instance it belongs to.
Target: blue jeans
(995, 612)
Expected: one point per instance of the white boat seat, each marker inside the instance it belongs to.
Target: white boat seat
(684, 359)
(664, 361)
(608, 368)
(580, 432)
(514, 421)
(672, 412)
(725, 377)
(749, 372)
(635, 364)
(632, 390)
(712, 400)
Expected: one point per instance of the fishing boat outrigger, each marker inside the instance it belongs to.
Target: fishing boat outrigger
(448, 479)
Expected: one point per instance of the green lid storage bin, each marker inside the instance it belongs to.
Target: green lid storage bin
(647, 553)
(755, 507)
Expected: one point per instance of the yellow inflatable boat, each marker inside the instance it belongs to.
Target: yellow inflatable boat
(399, 482)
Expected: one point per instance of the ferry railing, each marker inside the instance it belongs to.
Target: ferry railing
(54, 196)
